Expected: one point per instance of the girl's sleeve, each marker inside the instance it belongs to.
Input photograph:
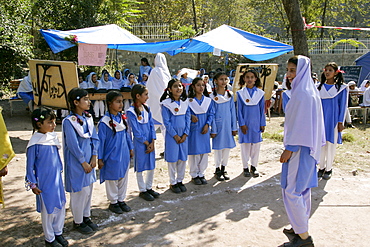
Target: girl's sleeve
(343, 103)
(211, 113)
(187, 122)
(135, 127)
(152, 128)
(71, 142)
(129, 141)
(285, 100)
(30, 166)
(234, 126)
(240, 111)
(262, 111)
(166, 116)
(95, 142)
(102, 137)
(213, 124)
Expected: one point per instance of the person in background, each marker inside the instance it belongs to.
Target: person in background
(117, 80)
(144, 68)
(25, 91)
(144, 79)
(231, 76)
(206, 83)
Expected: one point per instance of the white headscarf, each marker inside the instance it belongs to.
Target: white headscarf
(103, 84)
(304, 121)
(117, 83)
(90, 83)
(156, 84)
(362, 87)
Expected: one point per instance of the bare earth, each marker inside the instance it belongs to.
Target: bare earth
(239, 212)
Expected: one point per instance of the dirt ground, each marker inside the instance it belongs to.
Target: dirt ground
(239, 212)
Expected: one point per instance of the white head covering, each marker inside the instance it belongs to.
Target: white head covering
(117, 83)
(304, 122)
(90, 83)
(103, 84)
(156, 84)
(362, 87)
(351, 83)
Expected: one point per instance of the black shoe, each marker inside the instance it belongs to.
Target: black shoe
(181, 187)
(218, 174)
(124, 207)
(153, 193)
(146, 196)
(161, 154)
(196, 181)
(246, 172)
(92, 225)
(83, 228)
(254, 172)
(298, 242)
(203, 180)
(224, 173)
(320, 173)
(289, 233)
(60, 239)
(351, 126)
(115, 208)
(327, 175)
(54, 243)
(175, 188)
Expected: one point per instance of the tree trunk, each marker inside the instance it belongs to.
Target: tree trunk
(296, 26)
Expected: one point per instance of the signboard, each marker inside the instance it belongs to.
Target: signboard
(267, 74)
(51, 82)
(91, 54)
(351, 73)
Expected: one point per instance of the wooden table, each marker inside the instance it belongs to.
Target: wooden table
(102, 96)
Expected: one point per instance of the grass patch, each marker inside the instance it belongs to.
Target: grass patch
(273, 136)
(348, 137)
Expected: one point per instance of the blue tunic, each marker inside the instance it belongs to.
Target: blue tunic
(200, 143)
(223, 124)
(334, 110)
(175, 125)
(76, 151)
(114, 150)
(142, 132)
(253, 116)
(44, 168)
(142, 70)
(286, 99)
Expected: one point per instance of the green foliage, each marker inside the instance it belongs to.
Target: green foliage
(348, 137)
(352, 42)
(274, 136)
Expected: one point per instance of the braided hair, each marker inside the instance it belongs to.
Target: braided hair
(168, 94)
(338, 79)
(258, 82)
(39, 115)
(110, 97)
(191, 88)
(138, 89)
(215, 78)
(76, 94)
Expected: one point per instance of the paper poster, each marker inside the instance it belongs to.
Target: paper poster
(92, 55)
(51, 82)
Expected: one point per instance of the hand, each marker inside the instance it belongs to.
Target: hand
(262, 129)
(285, 156)
(244, 129)
(93, 161)
(213, 135)
(131, 153)
(36, 191)
(100, 163)
(340, 127)
(4, 171)
(150, 148)
(205, 129)
(183, 138)
(87, 167)
(177, 139)
(234, 132)
(194, 119)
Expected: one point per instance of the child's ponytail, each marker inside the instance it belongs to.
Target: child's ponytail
(164, 95)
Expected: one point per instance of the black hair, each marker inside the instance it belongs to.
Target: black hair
(145, 60)
(338, 79)
(257, 84)
(109, 98)
(41, 114)
(168, 94)
(191, 93)
(76, 94)
(138, 89)
(293, 60)
(215, 78)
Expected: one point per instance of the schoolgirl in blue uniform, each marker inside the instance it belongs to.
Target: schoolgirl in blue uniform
(80, 144)
(44, 176)
(252, 120)
(114, 153)
(176, 119)
(224, 126)
(334, 98)
(142, 126)
(202, 113)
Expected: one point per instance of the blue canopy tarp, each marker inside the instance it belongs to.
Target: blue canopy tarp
(363, 61)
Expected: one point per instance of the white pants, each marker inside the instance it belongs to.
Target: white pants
(52, 224)
(348, 117)
(328, 153)
(116, 189)
(250, 153)
(221, 157)
(198, 165)
(297, 205)
(65, 113)
(176, 171)
(146, 184)
(80, 203)
(99, 108)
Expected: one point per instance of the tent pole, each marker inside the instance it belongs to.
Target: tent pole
(117, 57)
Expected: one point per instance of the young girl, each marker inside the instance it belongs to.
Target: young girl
(131, 80)
(114, 153)
(144, 68)
(80, 146)
(252, 120)
(44, 176)
(176, 119)
(303, 138)
(103, 83)
(141, 123)
(117, 80)
(287, 93)
(334, 96)
(202, 113)
(144, 78)
(224, 126)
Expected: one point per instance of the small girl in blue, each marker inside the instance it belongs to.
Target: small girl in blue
(202, 113)
(44, 176)
(142, 126)
(176, 119)
(80, 144)
(252, 120)
(114, 153)
(224, 126)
